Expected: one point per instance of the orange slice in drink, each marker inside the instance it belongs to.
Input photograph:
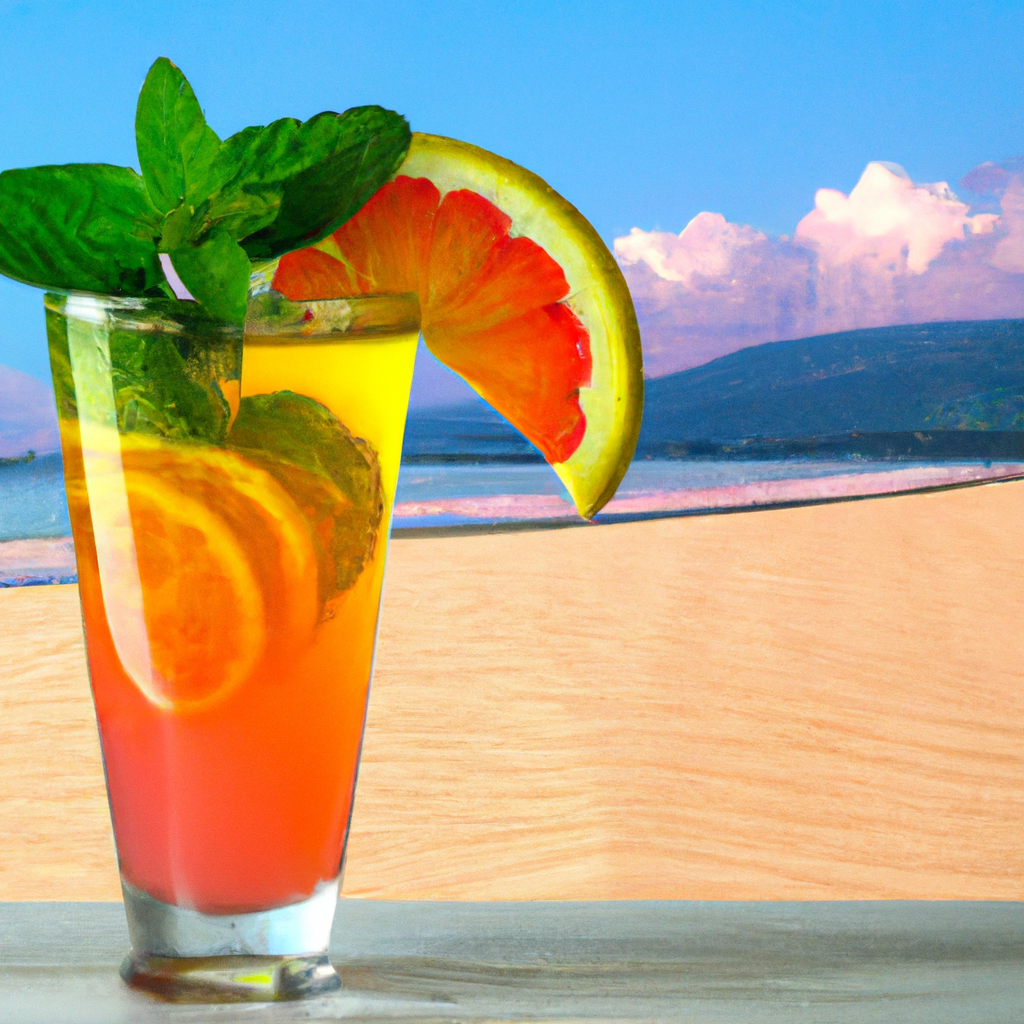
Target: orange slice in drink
(518, 295)
(204, 611)
(226, 566)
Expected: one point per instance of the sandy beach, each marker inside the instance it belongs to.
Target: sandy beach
(821, 702)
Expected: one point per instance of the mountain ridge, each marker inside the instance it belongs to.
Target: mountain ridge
(876, 380)
(944, 390)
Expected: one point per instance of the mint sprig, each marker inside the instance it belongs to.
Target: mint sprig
(211, 206)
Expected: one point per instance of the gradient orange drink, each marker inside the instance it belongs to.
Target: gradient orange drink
(230, 501)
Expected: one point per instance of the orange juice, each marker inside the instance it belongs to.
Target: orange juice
(231, 553)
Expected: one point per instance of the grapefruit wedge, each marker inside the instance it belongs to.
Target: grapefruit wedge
(518, 295)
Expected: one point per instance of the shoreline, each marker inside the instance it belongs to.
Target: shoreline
(662, 502)
(37, 561)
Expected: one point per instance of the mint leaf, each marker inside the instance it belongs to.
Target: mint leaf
(276, 188)
(216, 271)
(212, 206)
(170, 364)
(333, 477)
(155, 394)
(177, 229)
(80, 227)
(327, 171)
(175, 145)
(243, 196)
(292, 183)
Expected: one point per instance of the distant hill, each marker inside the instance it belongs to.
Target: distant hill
(925, 390)
(959, 384)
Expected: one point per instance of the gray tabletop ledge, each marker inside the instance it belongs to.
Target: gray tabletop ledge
(893, 962)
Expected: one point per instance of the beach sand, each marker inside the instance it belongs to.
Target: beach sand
(822, 702)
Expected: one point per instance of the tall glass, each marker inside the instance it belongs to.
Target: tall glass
(230, 496)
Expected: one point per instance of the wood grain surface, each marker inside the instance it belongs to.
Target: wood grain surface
(812, 703)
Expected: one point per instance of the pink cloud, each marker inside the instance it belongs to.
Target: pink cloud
(1008, 254)
(706, 247)
(890, 252)
(990, 179)
(889, 221)
(28, 417)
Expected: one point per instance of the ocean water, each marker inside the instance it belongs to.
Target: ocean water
(419, 483)
(454, 496)
(32, 502)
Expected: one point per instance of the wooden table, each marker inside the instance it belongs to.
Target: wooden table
(799, 963)
(810, 703)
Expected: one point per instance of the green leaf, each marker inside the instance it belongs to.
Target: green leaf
(245, 188)
(80, 227)
(339, 162)
(216, 272)
(279, 187)
(169, 366)
(236, 198)
(177, 229)
(155, 394)
(290, 184)
(176, 147)
(333, 477)
(211, 206)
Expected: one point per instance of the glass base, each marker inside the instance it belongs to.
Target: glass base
(231, 979)
(187, 956)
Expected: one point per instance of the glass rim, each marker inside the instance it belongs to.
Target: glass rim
(157, 314)
(271, 318)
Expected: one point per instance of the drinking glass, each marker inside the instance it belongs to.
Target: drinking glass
(230, 494)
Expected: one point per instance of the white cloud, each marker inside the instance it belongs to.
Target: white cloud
(888, 220)
(890, 252)
(1009, 250)
(706, 247)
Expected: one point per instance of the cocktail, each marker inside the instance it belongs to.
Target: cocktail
(231, 465)
(231, 545)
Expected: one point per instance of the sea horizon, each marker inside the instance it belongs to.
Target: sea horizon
(443, 497)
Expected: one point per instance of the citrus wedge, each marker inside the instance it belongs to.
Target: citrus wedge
(227, 569)
(518, 295)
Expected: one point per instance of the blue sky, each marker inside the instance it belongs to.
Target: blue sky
(642, 114)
